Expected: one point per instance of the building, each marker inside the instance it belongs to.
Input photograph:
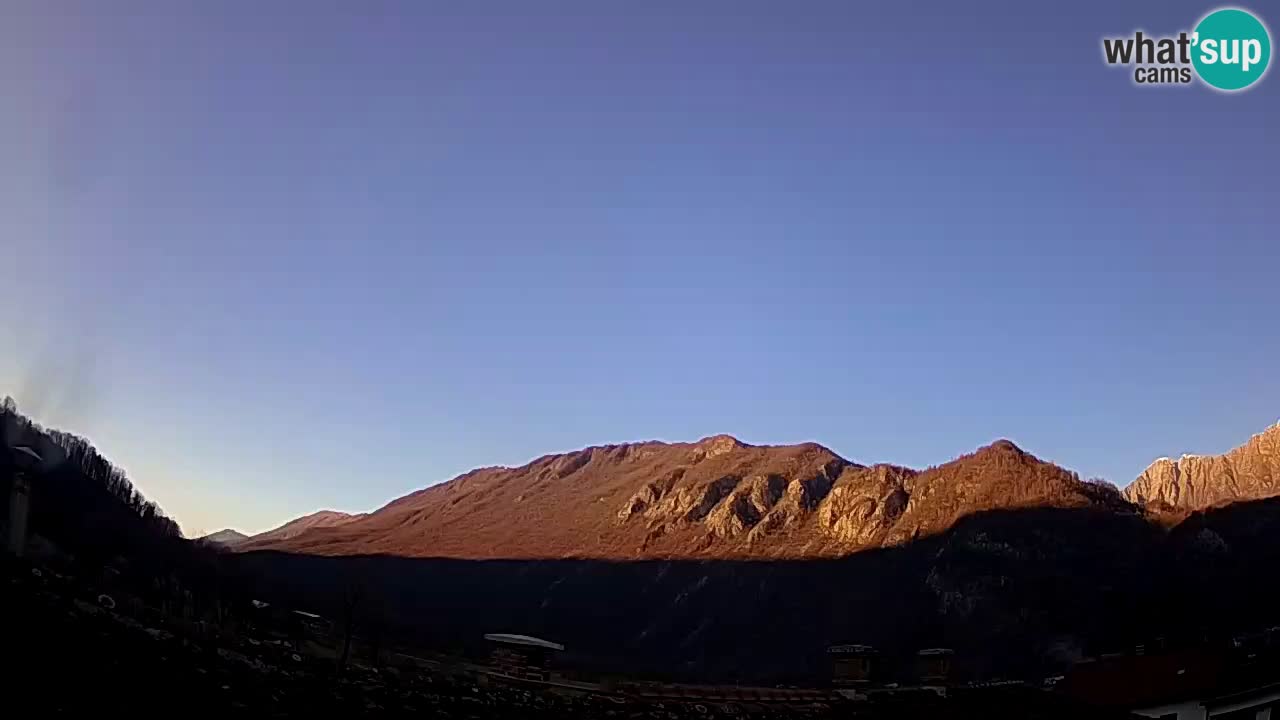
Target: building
(933, 665)
(721, 697)
(521, 656)
(310, 626)
(1187, 685)
(851, 665)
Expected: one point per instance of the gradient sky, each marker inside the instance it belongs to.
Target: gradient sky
(277, 256)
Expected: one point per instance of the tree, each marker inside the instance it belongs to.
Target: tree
(1106, 491)
(350, 605)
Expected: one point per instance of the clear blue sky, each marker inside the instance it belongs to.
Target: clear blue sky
(273, 257)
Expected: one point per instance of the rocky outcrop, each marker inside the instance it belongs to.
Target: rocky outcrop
(1196, 482)
(865, 504)
(748, 504)
(763, 491)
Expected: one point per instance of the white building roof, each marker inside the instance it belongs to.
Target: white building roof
(842, 649)
(523, 640)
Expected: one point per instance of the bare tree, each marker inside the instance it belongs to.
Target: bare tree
(351, 600)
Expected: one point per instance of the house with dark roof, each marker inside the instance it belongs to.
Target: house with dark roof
(1189, 685)
(522, 656)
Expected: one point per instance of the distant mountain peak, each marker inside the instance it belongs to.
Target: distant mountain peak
(1004, 445)
(298, 526)
(722, 439)
(226, 537)
(329, 514)
(719, 445)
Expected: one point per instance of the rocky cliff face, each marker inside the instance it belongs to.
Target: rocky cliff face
(716, 498)
(1195, 482)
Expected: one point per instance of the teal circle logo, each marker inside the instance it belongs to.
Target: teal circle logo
(1231, 49)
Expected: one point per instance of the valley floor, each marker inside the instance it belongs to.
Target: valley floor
(70, 654)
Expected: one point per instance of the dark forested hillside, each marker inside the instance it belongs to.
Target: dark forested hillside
(80, 501)
(87, 519)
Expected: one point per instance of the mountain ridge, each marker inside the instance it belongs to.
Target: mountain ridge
(717, 497)
(720, 497)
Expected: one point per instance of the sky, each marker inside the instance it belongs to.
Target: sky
(283, 256)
